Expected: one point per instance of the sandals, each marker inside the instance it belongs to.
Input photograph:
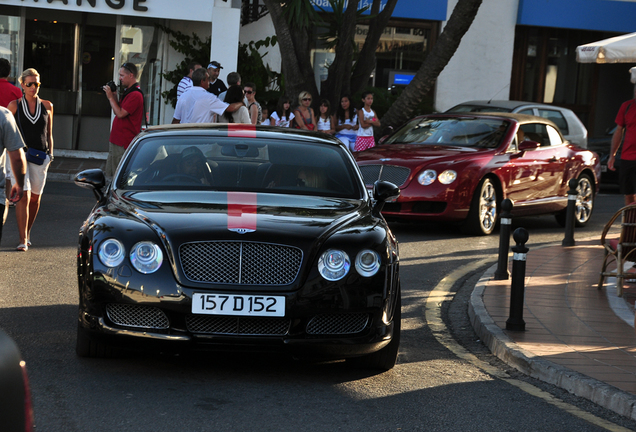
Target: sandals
(22, 247)
(28, 243)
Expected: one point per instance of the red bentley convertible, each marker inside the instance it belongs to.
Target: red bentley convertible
(459, 167)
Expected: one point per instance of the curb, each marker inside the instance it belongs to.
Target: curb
(81, 154)
(508, 351)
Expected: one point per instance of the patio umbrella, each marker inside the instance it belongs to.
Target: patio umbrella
(619, 49)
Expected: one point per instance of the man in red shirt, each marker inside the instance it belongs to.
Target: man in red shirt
(128, 111)
(8, 93)
(625, 131)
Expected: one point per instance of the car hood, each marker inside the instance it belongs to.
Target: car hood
(414, 154)
(183, 216)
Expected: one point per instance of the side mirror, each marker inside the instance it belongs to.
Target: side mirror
(384, 191)
(528, 145)
(387, 133)
(93, 179)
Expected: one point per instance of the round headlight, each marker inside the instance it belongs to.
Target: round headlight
(334, 264)
(447, 177)
(368, 263)
(427, 177)
(146, 257)
(111, 252)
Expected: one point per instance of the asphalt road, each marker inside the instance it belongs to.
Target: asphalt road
(431, 389)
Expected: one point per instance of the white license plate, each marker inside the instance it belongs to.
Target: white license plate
(241, 305)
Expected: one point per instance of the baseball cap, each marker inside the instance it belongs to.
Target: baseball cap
(192, 151)
(215, 65)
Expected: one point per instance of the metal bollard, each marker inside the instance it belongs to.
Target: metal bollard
(568, 240)
(517, 288)
(504, 240)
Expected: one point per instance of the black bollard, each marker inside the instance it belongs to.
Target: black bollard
(504, 240)
(568, 240)
(517, 288)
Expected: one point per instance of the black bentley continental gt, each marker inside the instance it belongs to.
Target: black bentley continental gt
(239, 237)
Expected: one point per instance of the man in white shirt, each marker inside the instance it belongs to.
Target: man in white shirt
(186, 81)
(197, 105)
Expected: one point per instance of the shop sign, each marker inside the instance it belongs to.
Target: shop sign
(197, 10)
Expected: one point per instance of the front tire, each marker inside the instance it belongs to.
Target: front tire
(584, 203)
(482, 217)
(386, 358)
(87, 346)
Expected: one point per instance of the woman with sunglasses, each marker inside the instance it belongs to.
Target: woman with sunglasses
(34, 117)
(304, 114)
(254, 108)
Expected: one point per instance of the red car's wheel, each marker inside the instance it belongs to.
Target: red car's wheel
(584, 203)
(482, 217)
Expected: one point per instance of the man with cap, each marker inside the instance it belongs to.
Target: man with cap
(216, 85)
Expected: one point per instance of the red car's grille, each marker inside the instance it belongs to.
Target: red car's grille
(394, 174)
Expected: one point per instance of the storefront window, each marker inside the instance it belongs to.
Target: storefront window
(400, 53)
(50, 49)
(10, 43)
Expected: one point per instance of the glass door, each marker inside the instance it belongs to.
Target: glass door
(74, 54)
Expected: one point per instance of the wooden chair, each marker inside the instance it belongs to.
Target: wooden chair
(621, 249)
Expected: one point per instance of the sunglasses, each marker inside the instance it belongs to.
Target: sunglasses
(307, 99)
(31, 84)
(128, 66)
(248, 92)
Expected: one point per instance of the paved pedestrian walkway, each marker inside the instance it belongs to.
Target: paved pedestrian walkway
(67, 163)
(577, 337)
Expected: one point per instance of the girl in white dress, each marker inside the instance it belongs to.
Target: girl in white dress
(283, 115)
(368, 120)
(325, 122)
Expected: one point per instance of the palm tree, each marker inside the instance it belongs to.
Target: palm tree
(294, 22)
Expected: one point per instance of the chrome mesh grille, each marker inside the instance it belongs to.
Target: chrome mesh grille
(394, 174)
(337, 324)
(237, 326)
(244, 263)
(137, 316)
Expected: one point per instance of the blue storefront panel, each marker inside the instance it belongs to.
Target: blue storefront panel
(601, 15)
(434, 10)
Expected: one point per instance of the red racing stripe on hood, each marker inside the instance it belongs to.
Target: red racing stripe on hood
(241, 130)
(241, 211)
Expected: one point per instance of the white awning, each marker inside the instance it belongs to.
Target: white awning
(619, 49)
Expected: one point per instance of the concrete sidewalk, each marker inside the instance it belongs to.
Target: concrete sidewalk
(67, 163)
(577, 337)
